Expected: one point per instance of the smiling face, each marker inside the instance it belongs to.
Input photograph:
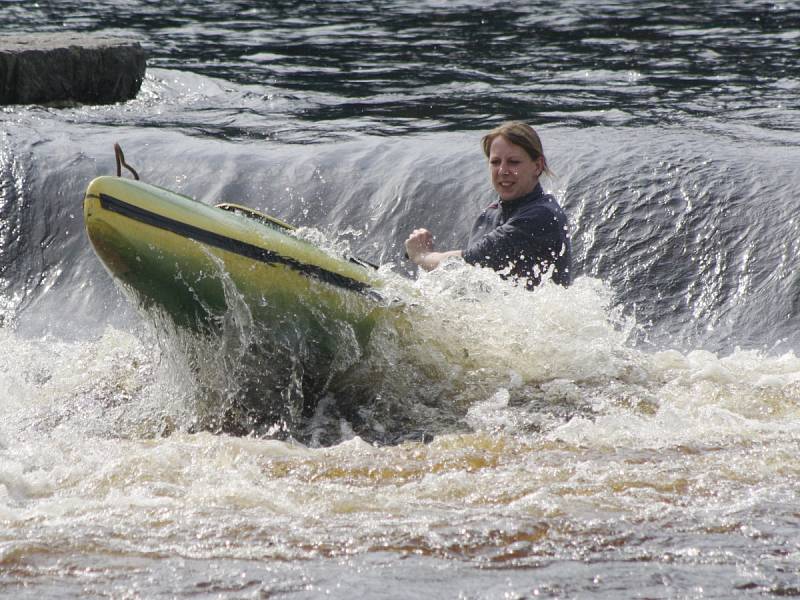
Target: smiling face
(514, 172)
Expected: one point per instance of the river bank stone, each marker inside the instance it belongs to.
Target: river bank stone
(69, 67)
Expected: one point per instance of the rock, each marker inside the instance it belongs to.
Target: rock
(69, 67)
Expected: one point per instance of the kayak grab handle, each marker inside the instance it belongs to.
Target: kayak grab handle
(252, 213)
(121, 162)
(256, 215)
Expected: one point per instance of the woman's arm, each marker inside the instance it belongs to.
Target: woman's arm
(419, 247)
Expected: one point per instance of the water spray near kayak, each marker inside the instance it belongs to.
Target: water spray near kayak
(201, 266)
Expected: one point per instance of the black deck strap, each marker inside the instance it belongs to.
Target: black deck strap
(222, 242)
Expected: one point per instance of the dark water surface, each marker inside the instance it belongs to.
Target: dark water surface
(634, 435)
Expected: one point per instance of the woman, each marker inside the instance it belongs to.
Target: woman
(526, 232)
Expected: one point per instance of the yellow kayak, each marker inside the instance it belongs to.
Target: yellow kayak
(194, 261)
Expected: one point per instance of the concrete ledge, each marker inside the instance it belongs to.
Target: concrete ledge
(69, 67)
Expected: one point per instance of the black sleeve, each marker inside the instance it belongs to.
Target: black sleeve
(532, 243)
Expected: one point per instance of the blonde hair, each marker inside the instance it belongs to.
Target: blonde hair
(520, 134)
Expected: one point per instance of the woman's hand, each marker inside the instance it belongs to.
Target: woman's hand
(418, 244)
(419, 247)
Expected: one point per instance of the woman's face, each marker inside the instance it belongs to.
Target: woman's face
(514, 173)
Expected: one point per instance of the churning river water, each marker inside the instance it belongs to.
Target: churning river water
(633, 436)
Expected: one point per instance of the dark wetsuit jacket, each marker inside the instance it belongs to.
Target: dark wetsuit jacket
(530, 235)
